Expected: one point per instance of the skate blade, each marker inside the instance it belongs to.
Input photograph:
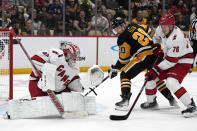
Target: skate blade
(117, 108)
(188, 115)
(152, 108)
(175, 106)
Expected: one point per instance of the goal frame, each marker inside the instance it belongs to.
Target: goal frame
(10, 55)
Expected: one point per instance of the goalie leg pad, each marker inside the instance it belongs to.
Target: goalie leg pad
(77, 102)
(31, 108)
(73, 103)
(90, 104)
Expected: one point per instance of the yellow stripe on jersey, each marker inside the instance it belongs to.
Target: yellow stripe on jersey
(131, 64)
(137, 59)
(124, 61)
(141, 55)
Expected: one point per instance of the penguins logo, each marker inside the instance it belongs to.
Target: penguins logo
(2, 49)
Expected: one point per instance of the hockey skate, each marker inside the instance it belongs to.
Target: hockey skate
(150, 105)
(6, 116)
(124, 103)
(190, 111)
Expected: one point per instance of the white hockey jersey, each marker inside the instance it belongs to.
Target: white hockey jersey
(176, 47)
(66, 76)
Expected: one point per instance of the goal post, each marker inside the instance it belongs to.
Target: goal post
(6, 64)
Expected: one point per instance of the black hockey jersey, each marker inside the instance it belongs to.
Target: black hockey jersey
(133, 42)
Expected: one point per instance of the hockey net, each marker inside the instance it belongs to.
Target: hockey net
(6, 64)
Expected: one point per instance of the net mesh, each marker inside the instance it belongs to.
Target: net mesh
(4, 65)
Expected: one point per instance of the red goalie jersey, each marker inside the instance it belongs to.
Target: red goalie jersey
(66, 76)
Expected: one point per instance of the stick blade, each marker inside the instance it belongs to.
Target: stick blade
(118, 118)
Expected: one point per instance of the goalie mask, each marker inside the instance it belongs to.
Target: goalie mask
(71, 52)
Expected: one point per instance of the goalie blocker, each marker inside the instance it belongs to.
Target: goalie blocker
(75, 105)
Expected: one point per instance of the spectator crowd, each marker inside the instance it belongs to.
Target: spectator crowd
(82, 17)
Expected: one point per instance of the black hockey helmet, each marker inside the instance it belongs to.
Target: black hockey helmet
(117, 21)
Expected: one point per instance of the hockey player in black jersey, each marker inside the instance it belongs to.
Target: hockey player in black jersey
(135, 55)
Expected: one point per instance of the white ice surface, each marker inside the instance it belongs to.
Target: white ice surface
(165, 119)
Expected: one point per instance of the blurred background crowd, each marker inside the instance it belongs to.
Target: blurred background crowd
(89, 17)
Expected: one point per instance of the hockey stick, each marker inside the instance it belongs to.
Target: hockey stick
(50, 93)
(124, 117)
(92, 89)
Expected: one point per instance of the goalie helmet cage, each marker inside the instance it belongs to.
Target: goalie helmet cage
(6, 64)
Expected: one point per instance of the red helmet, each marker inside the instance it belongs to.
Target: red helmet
(167, 19)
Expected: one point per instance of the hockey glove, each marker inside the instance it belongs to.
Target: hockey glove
(153, 73)
(112, 72)
(160, 56)
(156, 48)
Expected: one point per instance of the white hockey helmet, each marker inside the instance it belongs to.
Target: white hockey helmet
(71, 52)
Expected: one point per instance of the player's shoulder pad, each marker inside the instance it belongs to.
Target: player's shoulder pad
(179, 35)
(55, 54)
(124, 37)
(54, 51)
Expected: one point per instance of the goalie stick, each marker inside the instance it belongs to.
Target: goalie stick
(50, 93)
(124, 117)
(92, 89)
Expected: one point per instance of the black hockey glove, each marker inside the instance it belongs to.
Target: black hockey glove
(112, 72)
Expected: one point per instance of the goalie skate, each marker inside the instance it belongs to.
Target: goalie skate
(123, 105)
(6, 116)
(150, 105)
(190, 111)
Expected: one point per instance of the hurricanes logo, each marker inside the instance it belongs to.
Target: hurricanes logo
(2, 49)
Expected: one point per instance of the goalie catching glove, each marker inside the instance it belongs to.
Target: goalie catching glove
(94, 77)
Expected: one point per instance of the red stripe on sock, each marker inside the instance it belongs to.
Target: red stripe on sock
(151, 92)
(180, 92)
